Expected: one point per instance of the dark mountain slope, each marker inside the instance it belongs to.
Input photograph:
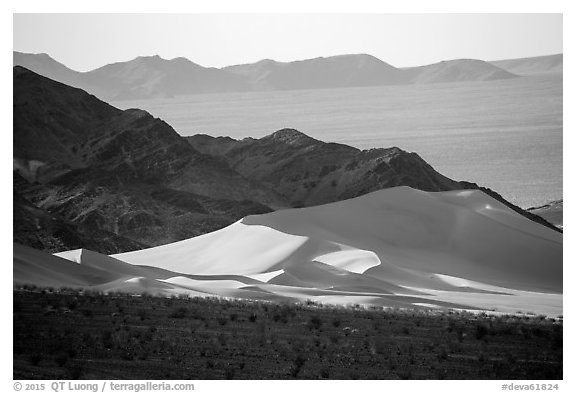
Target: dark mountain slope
(56, 126)
(43, 230)
(123, 172)
(310, 172)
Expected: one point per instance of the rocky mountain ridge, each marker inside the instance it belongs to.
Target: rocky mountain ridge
(130, 181)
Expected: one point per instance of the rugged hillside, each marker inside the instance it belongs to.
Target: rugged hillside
(310, 172)
(123, 172)
(129, 180)
(552, 64)
(151, 76)
(62, 131)
(43, 230)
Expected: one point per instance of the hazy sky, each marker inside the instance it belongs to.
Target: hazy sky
(87, 41)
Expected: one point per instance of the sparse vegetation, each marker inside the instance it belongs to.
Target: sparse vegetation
(145, 337)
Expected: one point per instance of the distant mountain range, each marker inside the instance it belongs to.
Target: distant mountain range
(552, 64)
(87, 174)
(151, 76)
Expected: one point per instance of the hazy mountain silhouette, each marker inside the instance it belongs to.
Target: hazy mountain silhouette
(322, 72)
(45, 65)
(151, 76)
(462, 70)
(552, 64)
(142, 77)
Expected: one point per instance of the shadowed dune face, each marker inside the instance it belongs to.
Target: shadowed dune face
(395, 247)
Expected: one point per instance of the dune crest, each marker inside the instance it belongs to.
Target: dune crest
(395, 247)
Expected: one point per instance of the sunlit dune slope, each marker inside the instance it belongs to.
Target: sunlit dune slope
(398, 247)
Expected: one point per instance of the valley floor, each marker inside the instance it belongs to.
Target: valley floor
(68, 334)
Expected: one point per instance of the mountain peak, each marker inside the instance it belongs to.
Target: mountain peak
(290, 136)
(150, 58)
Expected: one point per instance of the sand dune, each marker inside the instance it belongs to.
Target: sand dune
(395, 247)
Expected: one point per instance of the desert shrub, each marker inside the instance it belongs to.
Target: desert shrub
(481, 331)
(75, 371)
(71, 352)
(178, 313)
(61, 359)
(442, 354)
(333, 337)
(142, 314)
(314, 323)
(298, 363)
(35, 359)
(127, 354)
(557, 341)
(72, 304)
(107, 340)
(538, 332)
(229, 373)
